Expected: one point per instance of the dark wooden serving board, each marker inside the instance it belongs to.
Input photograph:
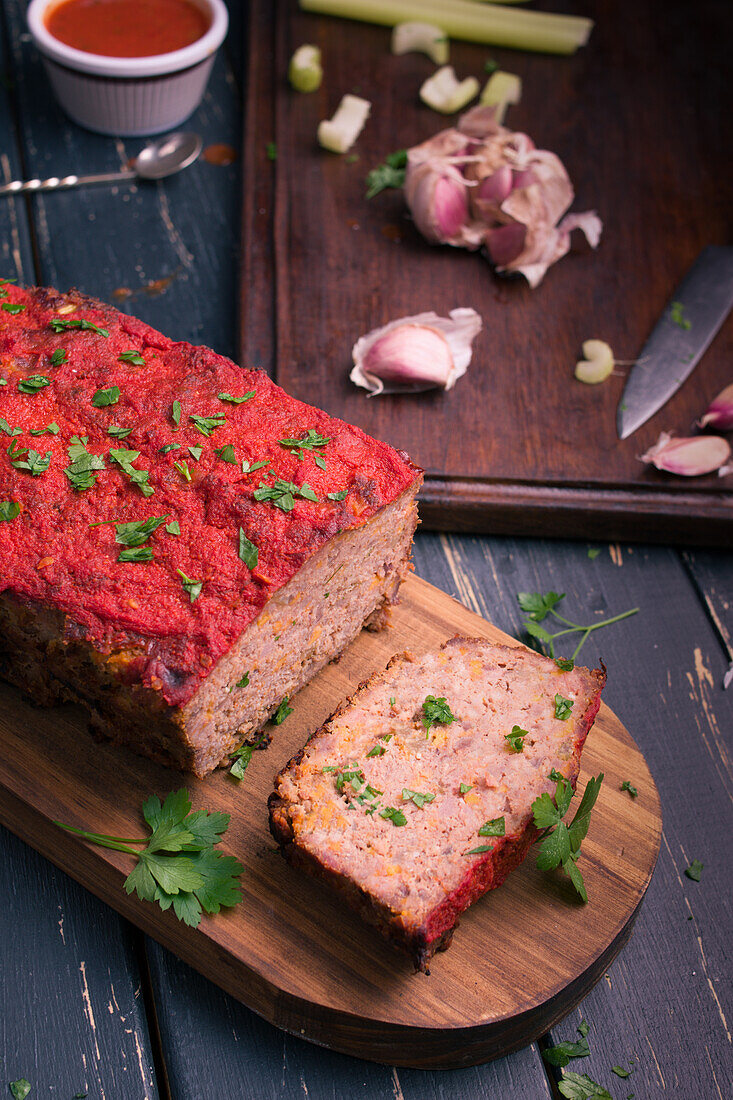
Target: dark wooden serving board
(523, 957)
(518, 446)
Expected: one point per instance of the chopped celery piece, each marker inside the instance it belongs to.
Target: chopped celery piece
(445, 93)
(501, 89)
(304, 72)
(339, 133)
(489, 24)
(421, 38)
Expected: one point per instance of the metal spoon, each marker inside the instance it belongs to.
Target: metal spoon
(156, 161)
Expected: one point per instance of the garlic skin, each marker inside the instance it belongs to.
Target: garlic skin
(720, 412)
(515, 196)
(689, 457)
(418, 353)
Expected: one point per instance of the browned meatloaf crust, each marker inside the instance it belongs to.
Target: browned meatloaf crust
(388, 812)
(278, 530)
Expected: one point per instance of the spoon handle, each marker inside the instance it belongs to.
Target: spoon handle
(22, 187)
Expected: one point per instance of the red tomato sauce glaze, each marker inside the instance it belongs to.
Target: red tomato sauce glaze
(79, 378)
(127, 28)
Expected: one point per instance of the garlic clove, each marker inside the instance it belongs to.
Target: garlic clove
(445, 93)
(437, 196)
(688, 457)
(339, 133)
(506, 244)
(496, 187)
(597, 365)
(416, 353)
(421, 38)
(720, 411)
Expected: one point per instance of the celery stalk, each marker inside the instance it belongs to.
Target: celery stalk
(489, 24)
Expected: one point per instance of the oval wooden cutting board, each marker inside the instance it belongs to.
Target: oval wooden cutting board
(523, 957)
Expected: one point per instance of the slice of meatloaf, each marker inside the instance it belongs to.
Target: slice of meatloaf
(389, 812)
(182, 544)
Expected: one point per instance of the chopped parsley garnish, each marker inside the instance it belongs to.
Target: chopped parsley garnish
(436, 710)
(9, 509)
(50, 429)
(593, 552)
(176, 413)
(19, 1089)
(35, 463)
(5, 427)
(192, 587)
(563, 707)
(392, 700)
(565, 665)
(561, 1054)
(59, 324)
(33, 383)
(179, 865)
(117, 432)
(226, 453)
(464, 788)
(620, 1071)
(391, 813)
(136, 553)
(495, 827)
(242, 757)
(168, 447)
(309, 442)
(282, 712)
(341, 495)
(306, 491)
(281, 493)
(133, 357)
(248, 552)
(377, 750)
(243, 681)
(236, 400)
(13, 307)
(195, 452)
(82, 473)
(418, 797)
(138, 531)
(677, 316)
(480, 850)
(183, 469)
(694, 870)
(540, 605)
(248, 468)
(515, 739)
(124, 459)
(207, 424)
(389, 174)
(109, 396)
(59, 356)
(626, 786)
(579, 1086)
(319, 461)
(490, 66)
(271, 150)
(349, 774)
(561, 843)
(173, 528)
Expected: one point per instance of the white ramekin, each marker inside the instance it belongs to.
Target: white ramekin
(129, 96)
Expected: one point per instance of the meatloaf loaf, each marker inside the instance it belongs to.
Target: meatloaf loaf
(182, 544)
(412, 802)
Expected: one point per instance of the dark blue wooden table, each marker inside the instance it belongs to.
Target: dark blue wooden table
(89, 1006)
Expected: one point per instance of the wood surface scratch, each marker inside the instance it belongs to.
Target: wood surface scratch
(396, 1086)
(88, 1010)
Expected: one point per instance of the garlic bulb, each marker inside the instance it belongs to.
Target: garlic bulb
(417, 353)
(691, 457)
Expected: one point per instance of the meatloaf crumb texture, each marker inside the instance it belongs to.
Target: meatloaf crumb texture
(278, 531)
(414, 879)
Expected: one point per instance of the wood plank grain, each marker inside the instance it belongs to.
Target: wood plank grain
(666, 1002)
(517, 432)
(319, 971)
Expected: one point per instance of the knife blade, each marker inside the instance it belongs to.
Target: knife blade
(690, 320)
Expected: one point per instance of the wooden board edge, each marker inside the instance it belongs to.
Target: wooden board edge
(702, 519)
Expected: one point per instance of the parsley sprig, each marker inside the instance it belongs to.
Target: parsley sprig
(579, 1086)
(201, 879)
(436, 710)
(562, 1053)
(541, 605)
(60, 324)
(560, 842)
(389, 174)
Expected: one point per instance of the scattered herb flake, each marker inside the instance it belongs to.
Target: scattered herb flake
(480, 850)
(192, 587)
(563, 707)
(183, 470)
(59, 324)
(564, 664)
(694, 870)
(341, 495)
(117, 432)
(436, 710)
(109, 396)
(464, 788)
(392, 700)
(59, 356)
(620, 1071)
(248, 552)
(50, 429)
(9, 509)
(579, 1086)
(515, 739)
(243, 681)
(249, 468)
(168, 447)
(282, 712)
(280, 493)
(34, 463)
(173, 528)
(389, 174)
(132, 357)
(319, 461)
(226, 453)
(138, 531)
(490, 66)
(33, 383)
(242, 757)
(19, 1089)
(593, 552)
(561, 1054)
(677, 316)
(236, 400)
(309, 442)
(179, 865)
(84, 467)
(418, 797)
(124, 459)
(378, 750)
(495, 827)
(176, 413)
(136, 553)
(195, 452)
(5, 427)
(271, 150)
(626, 786)
(391, 813)
(207, 424)
(13, 307)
